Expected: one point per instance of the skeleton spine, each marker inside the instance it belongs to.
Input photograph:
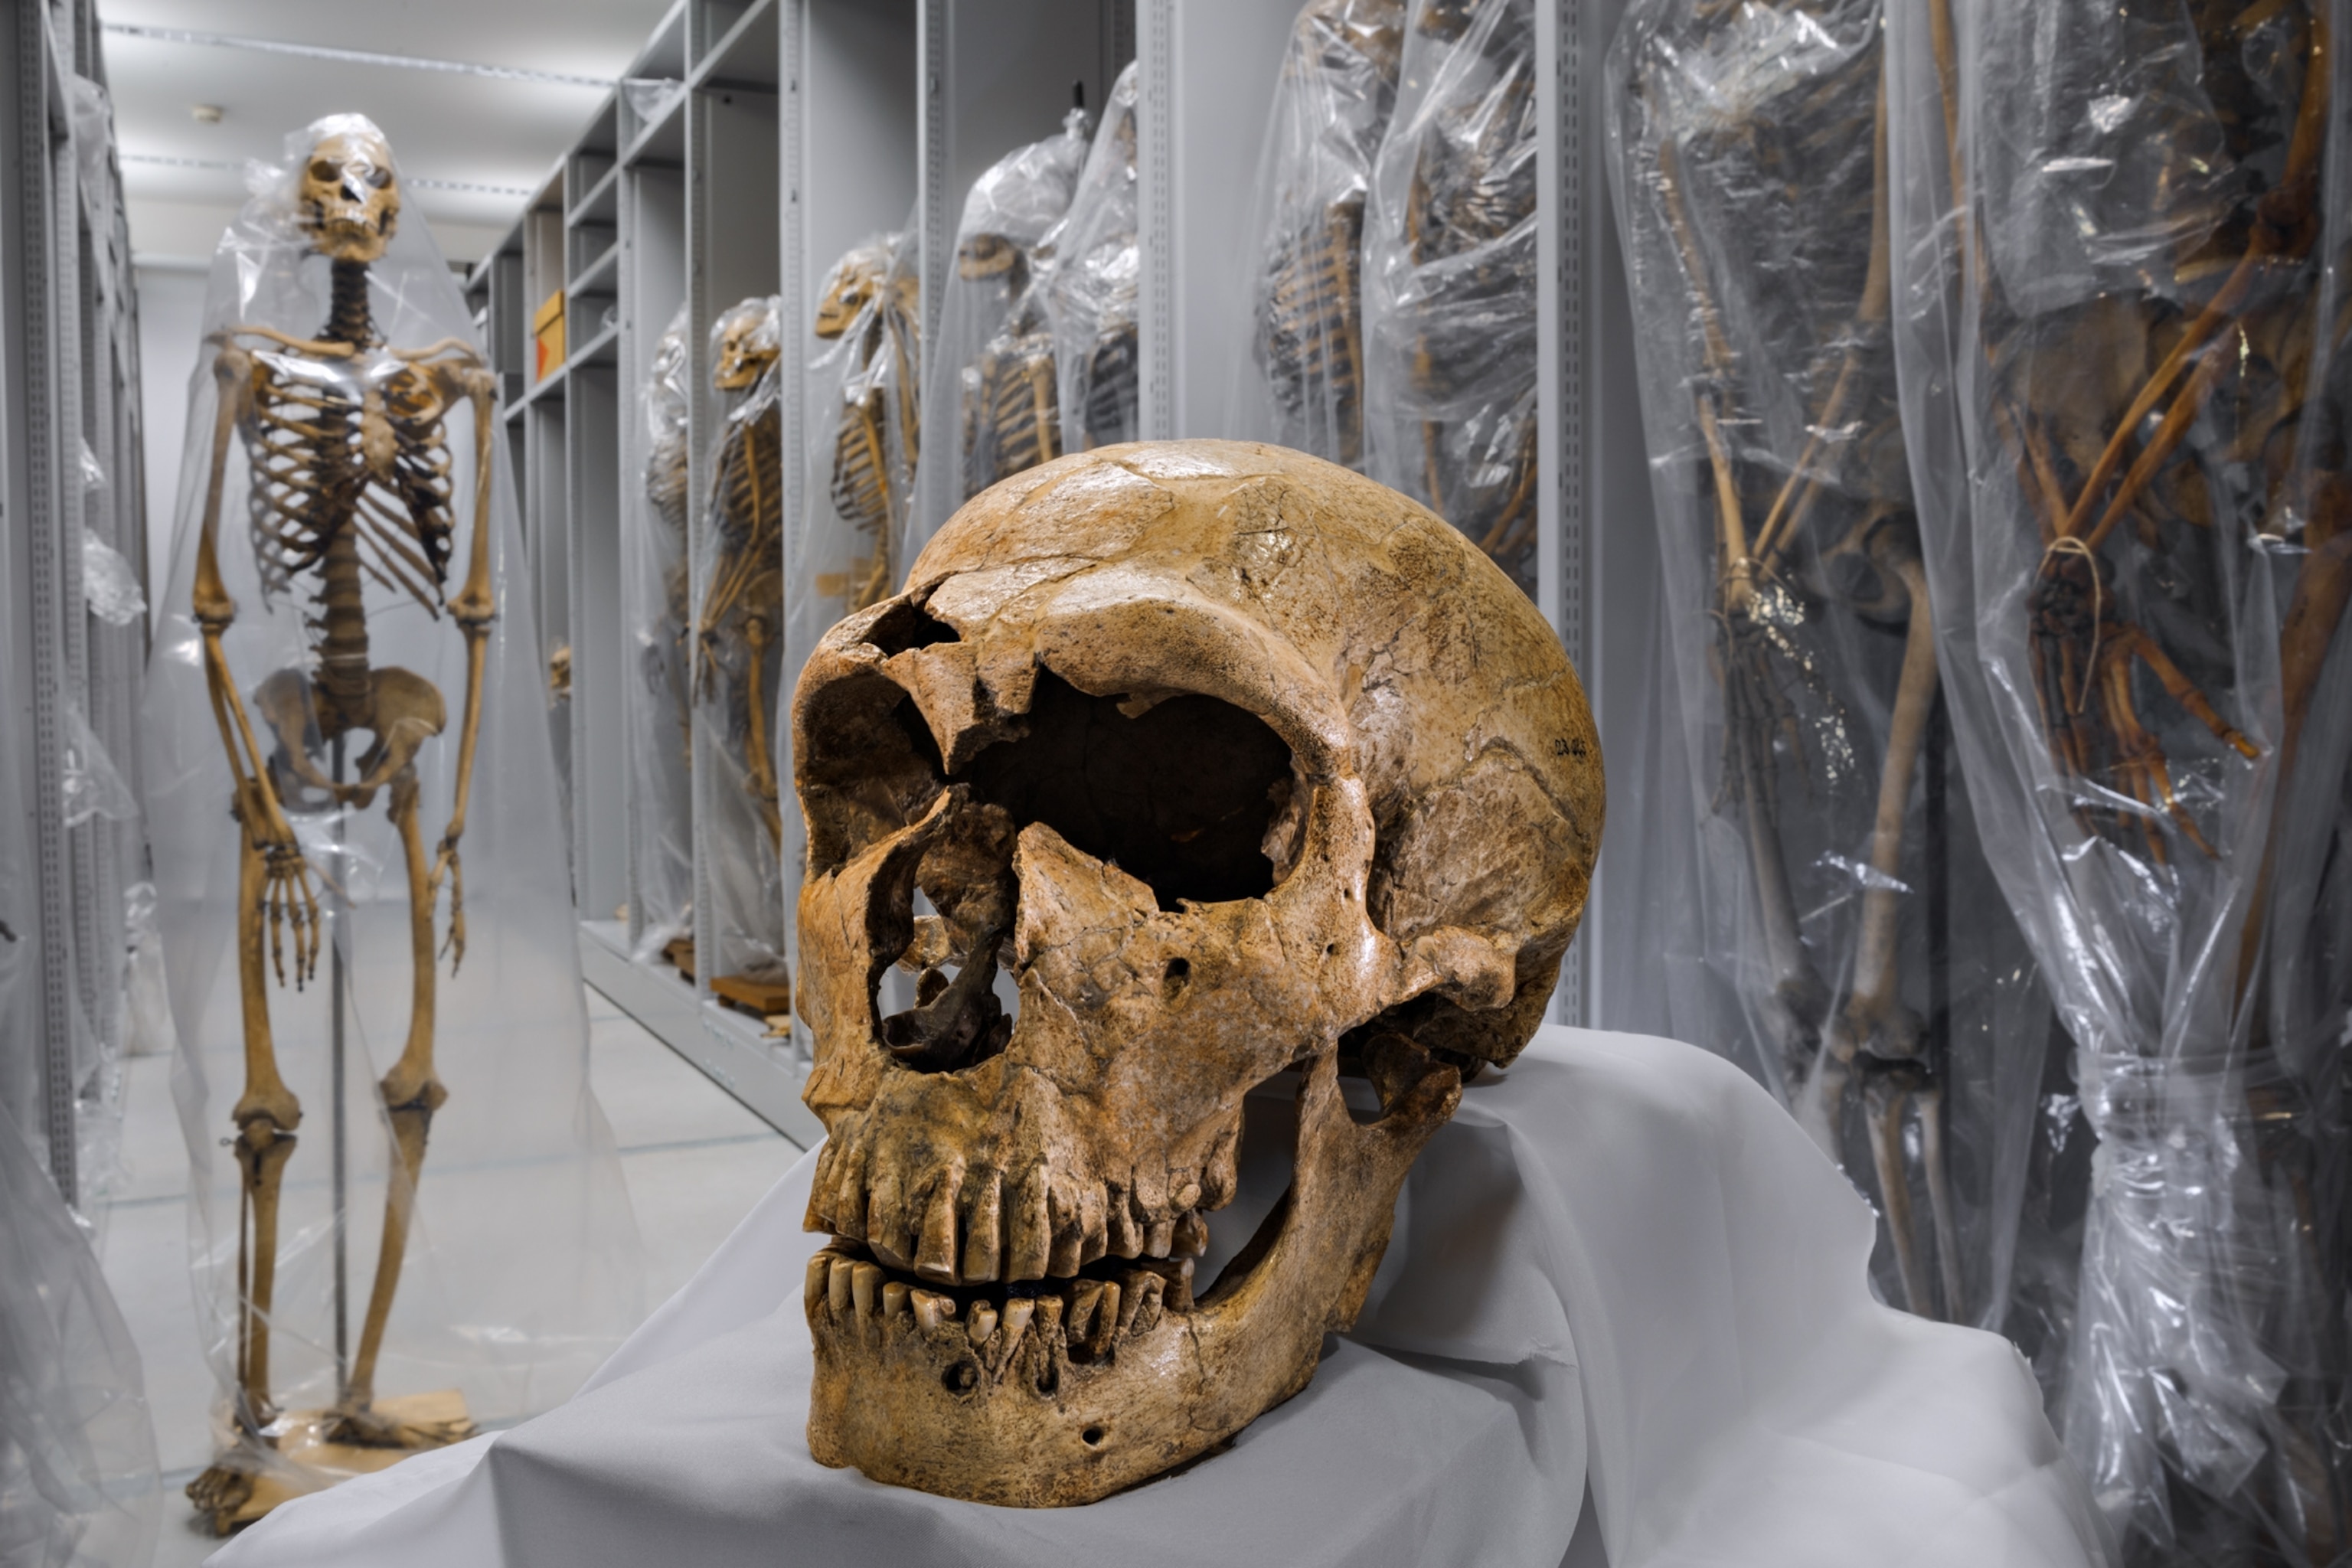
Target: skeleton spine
(343, 674)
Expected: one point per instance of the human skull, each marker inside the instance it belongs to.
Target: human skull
(348, 196)
(745, 342)
(1237, 763)
(854, 282)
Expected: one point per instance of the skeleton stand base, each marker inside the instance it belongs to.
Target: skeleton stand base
(768, 998)
(235, 1498)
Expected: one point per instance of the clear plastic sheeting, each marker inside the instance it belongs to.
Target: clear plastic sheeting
(77, 1478)
(1090, 295)
(93, 786)
(2118, 237)
(1838, 899)
(738, 655)
(656, 609)
(1449, 277)
(109, 586)
(332, 1009)
(1332, 107)
(988, 380)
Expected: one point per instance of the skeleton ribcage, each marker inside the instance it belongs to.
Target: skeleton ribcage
(1113, 379)
(861, 464)
(1311, 327)
(746, 582)
(313, 480)
(1012, 416)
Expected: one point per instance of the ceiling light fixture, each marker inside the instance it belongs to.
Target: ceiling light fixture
(205, 113)
(349, 57)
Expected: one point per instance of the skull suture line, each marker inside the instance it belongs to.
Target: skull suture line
(1236, 762)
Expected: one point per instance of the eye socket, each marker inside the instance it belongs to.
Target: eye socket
(379, 178)
(323, 170)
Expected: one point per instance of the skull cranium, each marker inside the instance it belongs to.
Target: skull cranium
(348, 195)
(745, 341)
(1237, 763)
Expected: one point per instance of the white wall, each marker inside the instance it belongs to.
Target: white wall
(171, 323)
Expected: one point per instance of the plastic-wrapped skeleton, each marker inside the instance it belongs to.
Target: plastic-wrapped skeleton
(742, 607)
(1332, 107)
(666, 488)
(1012, 409)
(351, 481)
(1775, 576)
(1473, 184)
(865, 294)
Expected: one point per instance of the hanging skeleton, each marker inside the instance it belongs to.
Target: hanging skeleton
(1331, 109)
(1449, 277)
(739, 623)
(1012, 413)
(871, 305)
(667, 491)
(1753, 156)
(1090, 295)
(348, 442)
(2136, 336)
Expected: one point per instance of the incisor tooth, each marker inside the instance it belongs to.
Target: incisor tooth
(980, 1324)
(1031, 1235)
(931, 1309)
(837, 1285)
(1131, 1293)
(886, 1220)
(1049, 1317)
(982, 1231)
(894, 1300)
(1063, 1259)
(935, 1254)
(1017, 1312)
(846, 1200)
(820, 1273)
(1186, 1195)
(865, 1287)
(1159, 1238)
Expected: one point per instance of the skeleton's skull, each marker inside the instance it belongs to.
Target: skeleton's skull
(854, 282)
(348, 196)
(745, 341)
(1234, 762)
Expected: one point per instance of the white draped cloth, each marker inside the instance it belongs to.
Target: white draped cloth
(1626, 1291)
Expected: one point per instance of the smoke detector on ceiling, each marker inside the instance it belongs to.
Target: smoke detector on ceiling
(205, 113)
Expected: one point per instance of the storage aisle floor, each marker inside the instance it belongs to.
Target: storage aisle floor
(696, 1162)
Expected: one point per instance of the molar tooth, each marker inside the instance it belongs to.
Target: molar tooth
(1191, 1237)
(1146, 1316)
(820, 1276)
(935, 1255)
(983, 1230)
(931, 1309)
(894, 1301)
(865, 1287)
(980, 1325)
(1084, 1298)
(1160, 1238)
(837, 1284)
(1090, 1222)
(1032, 1236)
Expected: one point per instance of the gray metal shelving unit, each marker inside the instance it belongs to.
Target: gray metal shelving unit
(804, 126)
(69, 471)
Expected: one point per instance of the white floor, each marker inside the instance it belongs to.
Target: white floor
(695, 1159)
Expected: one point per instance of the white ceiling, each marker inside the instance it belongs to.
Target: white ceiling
(447, 128)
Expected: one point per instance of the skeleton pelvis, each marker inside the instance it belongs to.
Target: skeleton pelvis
(400, 709)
